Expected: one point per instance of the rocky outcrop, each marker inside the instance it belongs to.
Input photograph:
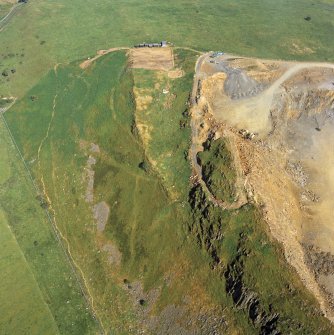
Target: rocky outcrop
(208, 226)
(246, 299)
(319, 261)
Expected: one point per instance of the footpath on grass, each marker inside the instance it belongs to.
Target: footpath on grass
(5, 20)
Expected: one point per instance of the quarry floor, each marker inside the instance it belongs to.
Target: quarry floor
(279, 117)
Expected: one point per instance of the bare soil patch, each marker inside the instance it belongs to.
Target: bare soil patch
(152, 58)
(91, 150)
(143, 101)
(3, 2)
(298, 49)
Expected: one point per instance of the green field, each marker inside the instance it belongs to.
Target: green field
(45, 33)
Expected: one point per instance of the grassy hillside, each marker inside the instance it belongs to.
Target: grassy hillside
(65, 127)
(164, 247)
(45, 33)
(165, 121)
(165, 260)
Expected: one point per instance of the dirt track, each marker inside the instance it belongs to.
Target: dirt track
(85, 64)
(5, 20)
(253, 113)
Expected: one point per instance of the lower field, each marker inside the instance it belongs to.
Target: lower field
(39, 291)
(19, 288)
(95, 140)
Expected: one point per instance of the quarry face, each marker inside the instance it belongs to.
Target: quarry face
(280, 115)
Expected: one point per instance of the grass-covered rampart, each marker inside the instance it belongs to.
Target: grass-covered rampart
(218, 170)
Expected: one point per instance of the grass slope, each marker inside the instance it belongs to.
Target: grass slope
(45, 33)
(104, 116)
(150, 211)
(4, 9)
(35, 272)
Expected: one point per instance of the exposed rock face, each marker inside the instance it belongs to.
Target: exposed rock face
(297, 173)
(248, 300)
(114, 255)
(322, 263)
(208, 229)
(173, 319)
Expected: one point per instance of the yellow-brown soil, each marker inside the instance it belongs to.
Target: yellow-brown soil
(152, 58)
